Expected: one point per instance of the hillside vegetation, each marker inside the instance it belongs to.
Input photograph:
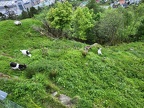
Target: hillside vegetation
(114, 79)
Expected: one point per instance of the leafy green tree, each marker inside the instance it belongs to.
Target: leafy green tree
(92, 33)
(28, 11)
(39, 9)
(128, 20)
(2, 16)
(136, 17)
(60, 16)
(132, 17)
(110, 26)
(92, 4)
(24, 15)
(82, 22)
(140, 31)
(33, 11)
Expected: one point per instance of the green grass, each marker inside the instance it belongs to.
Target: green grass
(114, 79)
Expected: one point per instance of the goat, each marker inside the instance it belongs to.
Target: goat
(99, 51)
(17, 66)
(17, 23)
(26, 52)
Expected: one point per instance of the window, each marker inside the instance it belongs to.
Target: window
(20, 6)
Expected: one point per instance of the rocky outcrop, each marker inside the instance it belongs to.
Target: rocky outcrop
(65, 100)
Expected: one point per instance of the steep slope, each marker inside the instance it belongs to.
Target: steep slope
(114, 79)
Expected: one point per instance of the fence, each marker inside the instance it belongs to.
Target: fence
(8, 104)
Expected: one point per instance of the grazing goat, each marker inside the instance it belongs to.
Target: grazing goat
(26, 52)
(99, 51)
(87, 48)
(17, 23)
(17, 66)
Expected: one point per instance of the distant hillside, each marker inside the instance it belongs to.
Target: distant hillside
(114, 79)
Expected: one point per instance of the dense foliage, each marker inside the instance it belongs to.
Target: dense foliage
(60, 17)
(88, 21)
(82, 22)
(93, 23)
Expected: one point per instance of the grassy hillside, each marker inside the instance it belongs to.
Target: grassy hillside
(114, 79)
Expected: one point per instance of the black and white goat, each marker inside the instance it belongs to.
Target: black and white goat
(26, 52)
(15, 66)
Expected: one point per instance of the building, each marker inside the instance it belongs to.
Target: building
(16, 6)
(44, 3)
(129, 1)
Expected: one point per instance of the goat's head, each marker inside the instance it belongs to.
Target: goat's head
(22, 67)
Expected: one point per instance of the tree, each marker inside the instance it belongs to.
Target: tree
(82, 22)
(92, 33)
(110, 27)
(135, 17)
(140, 31)
(60, 16)
(24, 15)
(39, 9)
(92, 4)
(11, 14)
(33, 11)
(128, 23)
(2, 16)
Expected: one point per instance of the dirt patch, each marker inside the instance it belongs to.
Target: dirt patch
(4, 75)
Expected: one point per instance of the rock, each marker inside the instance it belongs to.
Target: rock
(54, 93)
(131, 49)
(65, 99)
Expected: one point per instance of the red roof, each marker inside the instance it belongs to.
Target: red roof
(121, 1)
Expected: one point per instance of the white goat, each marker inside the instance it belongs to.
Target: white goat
(99, 51)
(17, 23)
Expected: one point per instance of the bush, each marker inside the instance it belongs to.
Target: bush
(140, 32)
